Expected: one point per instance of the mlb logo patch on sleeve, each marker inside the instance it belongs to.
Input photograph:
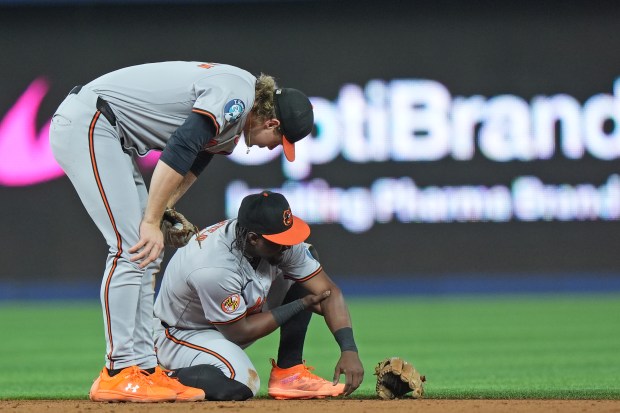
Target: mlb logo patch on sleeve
(233, 110)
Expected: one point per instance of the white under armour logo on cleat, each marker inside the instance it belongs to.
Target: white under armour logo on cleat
(132, 388)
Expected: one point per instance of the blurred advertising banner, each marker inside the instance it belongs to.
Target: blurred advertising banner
(448, 139)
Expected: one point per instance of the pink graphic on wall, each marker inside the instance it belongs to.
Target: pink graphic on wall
(149, 161)
(25, 154)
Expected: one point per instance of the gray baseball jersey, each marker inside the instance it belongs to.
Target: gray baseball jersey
(151, 101)
(212, 284)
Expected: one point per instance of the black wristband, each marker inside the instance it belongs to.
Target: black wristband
(284, 313)
(345, 340)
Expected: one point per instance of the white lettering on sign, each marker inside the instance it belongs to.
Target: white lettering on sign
(411, 120)
(390, 200)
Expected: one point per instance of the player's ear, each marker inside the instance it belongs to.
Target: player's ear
(253, 238)
(272, 123)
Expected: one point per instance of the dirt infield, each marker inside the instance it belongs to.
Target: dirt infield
(323, 406)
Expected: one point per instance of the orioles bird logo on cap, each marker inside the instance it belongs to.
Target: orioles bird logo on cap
(287, 217)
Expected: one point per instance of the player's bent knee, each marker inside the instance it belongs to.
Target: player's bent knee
(215, 384)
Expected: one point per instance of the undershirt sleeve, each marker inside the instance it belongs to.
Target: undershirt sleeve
(186, 143)
(201, 162)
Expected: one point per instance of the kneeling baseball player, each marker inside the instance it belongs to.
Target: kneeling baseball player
(248, 277)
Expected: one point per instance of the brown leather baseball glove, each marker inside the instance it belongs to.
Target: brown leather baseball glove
(397, 377)
(177, 230)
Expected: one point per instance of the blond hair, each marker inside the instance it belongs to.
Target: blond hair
(264, 106)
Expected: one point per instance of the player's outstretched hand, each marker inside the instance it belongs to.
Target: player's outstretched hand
(311, 300)
(151, 244)
(351, 366)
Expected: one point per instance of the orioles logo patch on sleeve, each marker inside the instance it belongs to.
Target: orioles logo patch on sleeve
(231, 303)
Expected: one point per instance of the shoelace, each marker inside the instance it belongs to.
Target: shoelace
(163, 372)
(307, 372)
(139, 376)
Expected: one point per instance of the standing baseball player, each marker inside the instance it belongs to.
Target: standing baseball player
(252, 275)
(189, 111)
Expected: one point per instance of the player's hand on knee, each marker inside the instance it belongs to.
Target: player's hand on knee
(150, 245)
(312, 300)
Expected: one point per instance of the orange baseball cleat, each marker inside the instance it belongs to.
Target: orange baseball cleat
(184, 393)
(130, 385)
(298, 383)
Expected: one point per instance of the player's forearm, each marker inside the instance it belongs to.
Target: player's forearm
(335, 311)
(164, 183)
(188, 180)
(251, 328)
(338, 319)
(259, 325)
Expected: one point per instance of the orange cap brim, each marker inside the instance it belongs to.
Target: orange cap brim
(289, 149)
(298, 232)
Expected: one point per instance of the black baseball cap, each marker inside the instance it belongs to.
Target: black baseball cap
(294, 111)
(269, 215)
